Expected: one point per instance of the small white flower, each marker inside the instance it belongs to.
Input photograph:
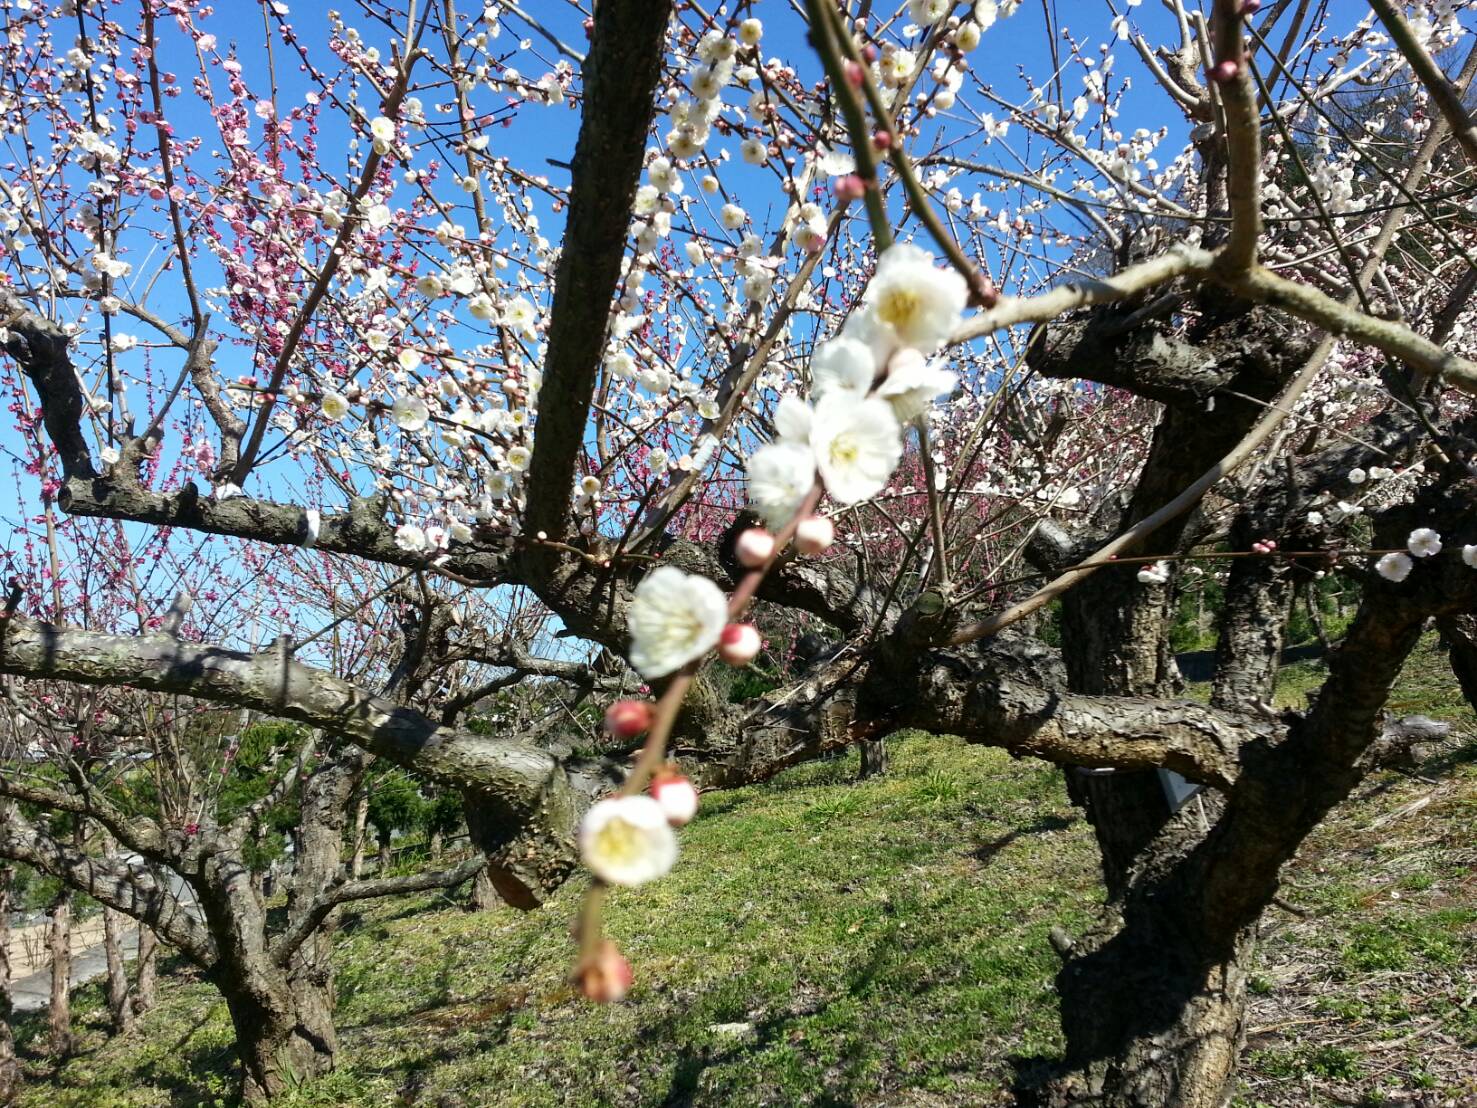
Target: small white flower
(1156, 573)
(857, 444)
(732, 217)
(334, 405)
(1469, 555)
(411, 538)
(754, 151)
(410, 413)
(1357, 476)
(590, 485)
(780, 476)
(750, 31)
(674, 618)
(918, 303)
(1423, 542)
(378, 217)
(518, 458)
(410, 359)
(626, 840)
(913, 383)
(382, 129)
(430, 285)
(841, 365)
(926, 13)
(793, 419)
(459, 531)
(1394, 567)
(1315, 519)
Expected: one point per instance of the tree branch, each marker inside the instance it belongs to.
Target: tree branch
(301, 929)
(620, 78)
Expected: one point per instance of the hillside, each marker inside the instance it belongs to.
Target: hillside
(830, 942)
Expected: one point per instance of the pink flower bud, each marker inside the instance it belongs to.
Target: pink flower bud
(882, 140)
(625, 719)
(815, 535)
(677, 797)
(869, 52)
(854, 73)
(848, 188)
(604, 976)
(754, 547)
(1224, 72)
(1250, 7)
(739, 644)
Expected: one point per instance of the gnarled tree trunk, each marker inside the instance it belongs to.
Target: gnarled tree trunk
(59, 941)
(10, 1074)
(120, 1011)
(145, 985)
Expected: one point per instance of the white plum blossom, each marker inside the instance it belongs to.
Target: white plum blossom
(1469, 555)
(793, 419)
(1394, 567)
(627, 840)
(1423, 542)
(334, 405)
(1156, 573)
(674, 618)
(857, 444)
(754, 151)
(411, 538)
(732, 217)
(928, 12)
(780, 475)
(410, 413)
(913, 383)
(913, 302)
(750, 31)
(841, 364)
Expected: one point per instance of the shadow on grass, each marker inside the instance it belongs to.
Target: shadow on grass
(986, 852)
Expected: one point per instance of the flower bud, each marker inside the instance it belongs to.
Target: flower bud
(854, 73)
(754, 547)
(815, 535)
(677, 797)
(604, 976)
(739, 644)
(882, 140)
(1223, 72)
(625, 719)
(848, 188)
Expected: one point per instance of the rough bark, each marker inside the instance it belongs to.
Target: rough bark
(10, 1074)
(619, 77)
(145, 987)
(59, 943)
(284, 1033)
(120, 1011)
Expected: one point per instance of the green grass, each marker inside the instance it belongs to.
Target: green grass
(823, 941)
(831, 942)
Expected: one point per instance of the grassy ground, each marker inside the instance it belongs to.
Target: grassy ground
(829, 942)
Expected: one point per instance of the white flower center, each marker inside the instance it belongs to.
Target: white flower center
(619, 843)
(898, 307)
(844, 451)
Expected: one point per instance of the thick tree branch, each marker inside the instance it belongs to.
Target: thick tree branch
(134, 893)
(620, 78)
(313, 914)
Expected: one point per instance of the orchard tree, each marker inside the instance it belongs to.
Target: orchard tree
(898, 327)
